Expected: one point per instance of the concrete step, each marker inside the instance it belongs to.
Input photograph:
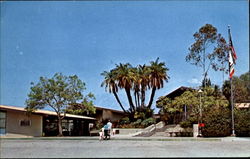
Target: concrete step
(159, 134)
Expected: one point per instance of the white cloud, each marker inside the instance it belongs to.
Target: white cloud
(194, 81)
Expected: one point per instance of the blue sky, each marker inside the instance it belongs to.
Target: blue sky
(86, 38)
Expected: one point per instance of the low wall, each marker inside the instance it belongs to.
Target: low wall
(121, 131)
(12, 135)
(127, 131)
(160, 125)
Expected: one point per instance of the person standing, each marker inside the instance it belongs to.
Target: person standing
(109, 124)
(109, 127)
(106, 131)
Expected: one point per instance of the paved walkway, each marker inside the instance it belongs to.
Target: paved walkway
(123, 146)
(127, 137)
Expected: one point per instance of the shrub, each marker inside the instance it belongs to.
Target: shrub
(137, 123)
(98, 125)
(139, 115)
(242, 122)
(148, 122)
(143, 113)
(124, 120)
(186, 124)
(127, 126)
(217, 122)
(189, 122)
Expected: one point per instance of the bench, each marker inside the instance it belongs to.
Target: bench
(94, 133)
(173, 133)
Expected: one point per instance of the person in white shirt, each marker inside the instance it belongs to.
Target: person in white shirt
(109, 126)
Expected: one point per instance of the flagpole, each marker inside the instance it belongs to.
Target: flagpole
(232, 102)
(232, 107)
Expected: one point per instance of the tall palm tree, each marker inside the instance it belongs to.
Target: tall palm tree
(143, 73)
(136, 85)
(125, 78)
(137, 79)
(110, 84)
(158, 74)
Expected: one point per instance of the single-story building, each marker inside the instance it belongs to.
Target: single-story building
(16, 120)
(179, 116)
(104, 114)
(178, 92)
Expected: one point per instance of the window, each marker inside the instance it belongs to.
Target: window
(25, 122)
(2, 122)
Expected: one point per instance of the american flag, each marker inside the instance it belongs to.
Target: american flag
(232, 56)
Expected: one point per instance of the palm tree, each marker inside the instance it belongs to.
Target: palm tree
(158, 73)
(136, 85)
(137, 79)
(110, 83)
(143, 73)
(125, 79)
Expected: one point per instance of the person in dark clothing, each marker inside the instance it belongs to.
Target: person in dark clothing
(106, 132)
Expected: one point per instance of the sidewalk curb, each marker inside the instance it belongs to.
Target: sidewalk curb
(224, 139)
(114, 138)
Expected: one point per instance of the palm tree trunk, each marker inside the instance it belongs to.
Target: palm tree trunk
(138, 99)
(135, 95)
(152, 97)
(143, 97)
(118, 100)
(130, 99)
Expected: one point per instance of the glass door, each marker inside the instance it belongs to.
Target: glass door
(2, 123)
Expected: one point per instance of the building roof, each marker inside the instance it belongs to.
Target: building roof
(177, 92)
(44, 112)
(113, 110)
(242, 105)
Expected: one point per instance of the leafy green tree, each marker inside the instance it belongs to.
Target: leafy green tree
(86, 107)
(241, 92)
(206, 82)
(57, 92)
(171, 108)
(136, 81)
(210, 100)
(241, 88)
(208, 50)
